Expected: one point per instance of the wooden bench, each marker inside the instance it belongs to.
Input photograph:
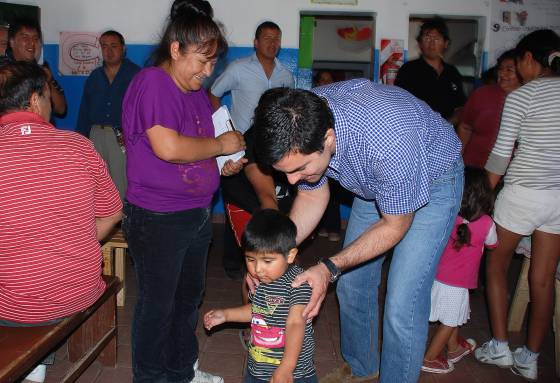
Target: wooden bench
(114, 261)
(90, 333)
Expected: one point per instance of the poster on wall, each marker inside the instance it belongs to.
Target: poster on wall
(79, 53)
(512, 19)
(390, 59)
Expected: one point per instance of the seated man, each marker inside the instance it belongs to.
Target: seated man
(56, 203)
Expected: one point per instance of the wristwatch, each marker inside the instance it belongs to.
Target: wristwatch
(335, 271)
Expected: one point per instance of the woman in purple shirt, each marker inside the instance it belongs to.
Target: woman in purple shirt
(172, 176)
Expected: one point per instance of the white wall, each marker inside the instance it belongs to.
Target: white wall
(141, 20)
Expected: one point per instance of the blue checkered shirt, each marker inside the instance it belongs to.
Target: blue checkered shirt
(390, 146)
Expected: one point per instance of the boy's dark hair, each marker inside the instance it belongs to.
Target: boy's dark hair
(438, 24)
(544, 45)
(190, 24)
(266, 25)
(114, 34)
(269, 231)
(18, 81)
(21, 23)
(290, 120)
(478, 199)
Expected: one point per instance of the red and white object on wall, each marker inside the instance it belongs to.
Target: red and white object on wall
(391, 58)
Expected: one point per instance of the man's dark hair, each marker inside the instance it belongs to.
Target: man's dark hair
(18, 81)
(290, 120)
(21, 23)
(438, 24)
(266, 25)
(269, 231)
(114, 34)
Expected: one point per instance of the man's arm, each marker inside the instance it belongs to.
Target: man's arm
(380, 237)
(264, 187)
(295, 332)
(464, 131)
(308, 208)
(104, 225)
(57, 97)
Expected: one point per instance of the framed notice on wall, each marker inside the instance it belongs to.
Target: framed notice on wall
(79, 53)
(348, 2)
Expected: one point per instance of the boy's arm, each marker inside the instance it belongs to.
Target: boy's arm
(240, 314)
(295, 331)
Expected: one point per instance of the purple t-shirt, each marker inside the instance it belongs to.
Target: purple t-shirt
(154, 184)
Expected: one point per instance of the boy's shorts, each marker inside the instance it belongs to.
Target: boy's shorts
(523, 210)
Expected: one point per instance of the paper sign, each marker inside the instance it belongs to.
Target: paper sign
(79, 53)
(223, 123)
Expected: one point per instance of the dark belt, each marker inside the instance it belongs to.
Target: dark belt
(102, 126)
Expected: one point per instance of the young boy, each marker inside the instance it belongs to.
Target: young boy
(282, 344)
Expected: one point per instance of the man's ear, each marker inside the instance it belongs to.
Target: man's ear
(292, 255)
(34, 102)
(330, 138)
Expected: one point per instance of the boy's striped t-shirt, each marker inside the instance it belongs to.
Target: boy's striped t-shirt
(270, 306)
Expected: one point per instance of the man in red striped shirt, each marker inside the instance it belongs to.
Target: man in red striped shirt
(56, 202)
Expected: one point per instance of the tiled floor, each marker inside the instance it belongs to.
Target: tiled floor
(221, 352)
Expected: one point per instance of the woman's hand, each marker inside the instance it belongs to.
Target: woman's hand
(231, 142)
(230, 168)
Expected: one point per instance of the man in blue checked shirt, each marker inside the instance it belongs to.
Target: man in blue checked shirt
(402, 161)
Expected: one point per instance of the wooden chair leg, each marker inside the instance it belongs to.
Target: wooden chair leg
(520, 299)
(120, 270)
(107, 260)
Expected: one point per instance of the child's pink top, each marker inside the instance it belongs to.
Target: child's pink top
(460, 267)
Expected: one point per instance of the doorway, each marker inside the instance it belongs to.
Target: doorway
(340, 43)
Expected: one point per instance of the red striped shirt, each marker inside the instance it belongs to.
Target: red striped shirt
(53, 184)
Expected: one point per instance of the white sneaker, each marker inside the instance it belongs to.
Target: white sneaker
(488, 354)
(526, 370)
(205, 377)
(37, 375)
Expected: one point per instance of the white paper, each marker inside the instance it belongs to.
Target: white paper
(223, 123)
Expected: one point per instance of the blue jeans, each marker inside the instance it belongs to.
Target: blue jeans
(411, 274)
(251, 379)
(170, 253)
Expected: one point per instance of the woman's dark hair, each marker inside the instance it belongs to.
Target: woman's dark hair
(544, 46)
(18, 81)
(191, 25)
(478, 199)
(438, 24)
(269, 231)
(290, 120)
